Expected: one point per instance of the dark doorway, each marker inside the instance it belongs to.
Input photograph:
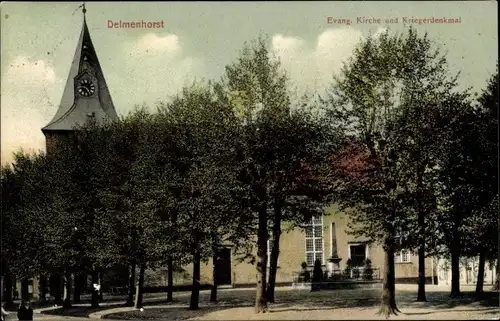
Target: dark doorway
(358, 254)
(223, 267)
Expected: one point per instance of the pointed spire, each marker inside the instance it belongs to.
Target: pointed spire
(75, 106)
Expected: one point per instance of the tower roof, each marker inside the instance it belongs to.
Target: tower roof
(73, 110)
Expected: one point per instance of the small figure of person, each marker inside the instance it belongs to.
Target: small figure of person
(97, 289)
(22, 311)
(47, 296)
(4, 314)
(29, 312)
(16, 294)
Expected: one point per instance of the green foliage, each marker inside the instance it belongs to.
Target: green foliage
(317, 271)
(348, 268)
(368, 270)
(24, 210)
(480, 232)
(388, 83)
(355, 272)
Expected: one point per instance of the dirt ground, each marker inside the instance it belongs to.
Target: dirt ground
(353, 304)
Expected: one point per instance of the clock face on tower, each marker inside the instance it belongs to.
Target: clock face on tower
(85, 87)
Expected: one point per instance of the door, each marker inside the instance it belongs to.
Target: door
(358, 254)
(223, 267)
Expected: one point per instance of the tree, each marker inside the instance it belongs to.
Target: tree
(454, 178)
(387, 79)
(118, 239)
(25, 202)
(489, 101)
(482, 229)
(425, 85)
(74, 171)
(205, 189)
(299, 192)
(252, 85)
(280, 150)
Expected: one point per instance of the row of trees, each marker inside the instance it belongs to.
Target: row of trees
(427, 169)
(213, 167)
(398, 146)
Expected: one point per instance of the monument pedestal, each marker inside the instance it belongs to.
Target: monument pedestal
(333, 264)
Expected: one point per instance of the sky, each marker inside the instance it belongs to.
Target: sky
(199, 39)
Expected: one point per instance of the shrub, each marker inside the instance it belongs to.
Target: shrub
(317, 276)
(347, 270)
(317, 272)
(368, 271)
(355, 273)
(307, 276)
(304, 275)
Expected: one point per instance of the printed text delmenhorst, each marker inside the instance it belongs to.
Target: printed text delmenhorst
(140, 24)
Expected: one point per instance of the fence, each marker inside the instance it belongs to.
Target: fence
(355, 274)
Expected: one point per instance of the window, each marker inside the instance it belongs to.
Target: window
(314, 240)
(402, 256)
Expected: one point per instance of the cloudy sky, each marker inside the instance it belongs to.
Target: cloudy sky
(198, 40)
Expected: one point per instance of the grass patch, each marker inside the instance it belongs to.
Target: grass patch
(161, 314)
(76, 311)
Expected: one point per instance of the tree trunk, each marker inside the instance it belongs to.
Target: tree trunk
(170, 262)
(388, 304)
(131, 285)
(7, 295)
(275, 252)
(79, 286)
(170, 278)
(55, 288)
(195, 291)
(455, 271)
(68, 285)
(24, 289)
(260, 297)
(95, 292)
(140, 287)
(42, 288)
(101, 278)
(421, 232)
(480, 274)
(215, 249)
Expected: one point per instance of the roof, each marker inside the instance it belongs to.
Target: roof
(73, 111)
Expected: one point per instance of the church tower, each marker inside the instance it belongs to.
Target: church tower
(86, 95)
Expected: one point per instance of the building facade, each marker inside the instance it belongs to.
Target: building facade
(468, 271)
(325, 239)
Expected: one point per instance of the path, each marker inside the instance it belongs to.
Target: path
(236, 304)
